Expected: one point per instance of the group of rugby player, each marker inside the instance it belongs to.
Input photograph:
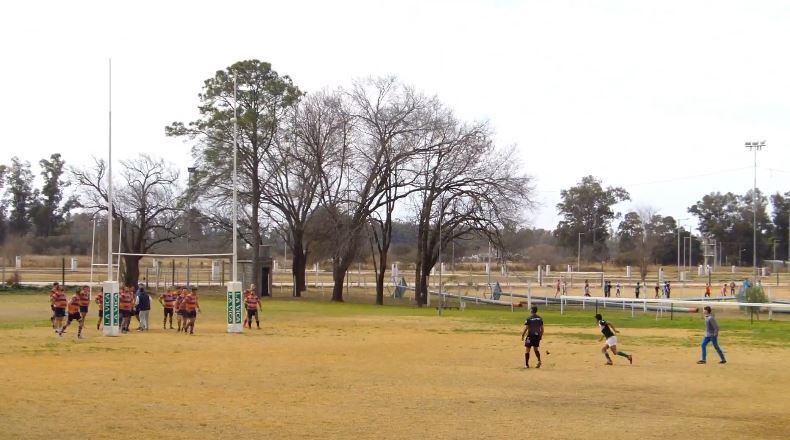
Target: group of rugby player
(73, 309)
(182, 300)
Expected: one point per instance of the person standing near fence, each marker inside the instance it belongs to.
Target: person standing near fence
(667, 289)
(732, 288)
(618, 287)
(586, 288)
(532, 334)
(711, 335)
(657, 289)
(637, 288)
(143, 308)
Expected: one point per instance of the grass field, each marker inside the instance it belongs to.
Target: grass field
(321, 370)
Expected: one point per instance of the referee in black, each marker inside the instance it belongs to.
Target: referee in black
(533, 331)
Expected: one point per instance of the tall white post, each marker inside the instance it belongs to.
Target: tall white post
(109, 189)
(234, 306)
(120, 238)
(110, 311)
(235, 182)
(93, 243)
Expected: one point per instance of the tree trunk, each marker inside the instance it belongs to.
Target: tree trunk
(380, 285)
(131, 275)
(299, 263)
(298, 269)
(338, 277)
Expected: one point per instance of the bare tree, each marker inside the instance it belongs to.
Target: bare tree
(147, 199)
(294, 172)
(382, 113)
(469, 186)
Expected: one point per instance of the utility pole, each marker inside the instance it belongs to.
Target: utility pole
(754, 146)
(579, 253)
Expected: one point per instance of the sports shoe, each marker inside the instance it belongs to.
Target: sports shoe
(538, 366)
(526, 366)
(630, 359)
(701, 362)
(723, 362)
(609, 363)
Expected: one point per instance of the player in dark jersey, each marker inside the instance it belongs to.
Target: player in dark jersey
(533, 330)
(608, 331)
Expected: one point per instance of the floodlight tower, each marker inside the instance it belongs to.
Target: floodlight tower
(754, 146)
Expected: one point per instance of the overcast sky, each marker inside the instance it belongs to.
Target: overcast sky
(654, 96)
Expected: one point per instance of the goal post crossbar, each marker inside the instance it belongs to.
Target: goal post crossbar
(130, 254)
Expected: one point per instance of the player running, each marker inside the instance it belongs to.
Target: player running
(168, 301)
(533, 330)
(85, 301)
(74, 314)
(608, 331)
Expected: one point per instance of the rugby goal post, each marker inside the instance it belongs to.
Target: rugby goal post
(234, 306)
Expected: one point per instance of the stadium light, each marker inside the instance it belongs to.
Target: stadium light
(754, 146)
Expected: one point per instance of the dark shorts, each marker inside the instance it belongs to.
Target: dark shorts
(74, 316)
(181, 312)
(168, 312)
(252, 312)
(83, 309)
(126, 313)
(532, 341)
(59, 312)
(192, 314)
